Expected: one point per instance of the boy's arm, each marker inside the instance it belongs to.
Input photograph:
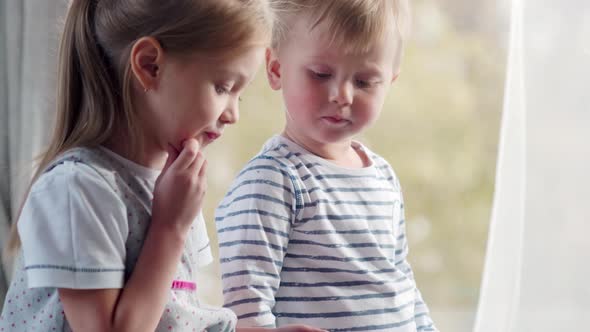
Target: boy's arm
(253, 223)
(421, 313)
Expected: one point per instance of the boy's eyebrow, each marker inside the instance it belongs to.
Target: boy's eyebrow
(320, 57)
(367, 68)
(373, 70)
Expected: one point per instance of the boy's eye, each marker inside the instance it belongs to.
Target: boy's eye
(320, 75)
(363, 84)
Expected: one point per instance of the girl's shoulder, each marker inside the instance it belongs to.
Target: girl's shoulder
(76, 168)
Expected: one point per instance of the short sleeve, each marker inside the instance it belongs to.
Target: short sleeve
(73, 229)
(203, 246)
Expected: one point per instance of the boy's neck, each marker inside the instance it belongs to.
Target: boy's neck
(340, 153)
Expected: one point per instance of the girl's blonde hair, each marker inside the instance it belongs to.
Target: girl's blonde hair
(94, 75)
(353, 24)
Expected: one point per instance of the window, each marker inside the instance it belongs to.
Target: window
(439, 130)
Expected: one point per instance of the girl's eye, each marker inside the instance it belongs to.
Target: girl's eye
(221, 90)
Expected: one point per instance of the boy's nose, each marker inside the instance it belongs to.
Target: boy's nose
(342, 94)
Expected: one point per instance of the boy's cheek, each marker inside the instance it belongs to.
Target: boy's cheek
(368, 109)
(297, 102)
(305, 94)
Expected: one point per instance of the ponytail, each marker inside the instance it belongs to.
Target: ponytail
(86, 87)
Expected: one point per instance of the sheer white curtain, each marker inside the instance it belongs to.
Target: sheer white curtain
(537, 272)
(29, 33)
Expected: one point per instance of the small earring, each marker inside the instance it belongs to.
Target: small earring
(146, 89)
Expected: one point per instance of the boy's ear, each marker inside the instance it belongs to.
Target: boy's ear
(146, 59)
(273, 69)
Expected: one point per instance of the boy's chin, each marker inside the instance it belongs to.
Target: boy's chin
(321, 136)
(334, 138)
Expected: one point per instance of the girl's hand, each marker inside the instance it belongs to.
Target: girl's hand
(180, 188)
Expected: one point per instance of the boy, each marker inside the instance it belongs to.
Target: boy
(312, 230)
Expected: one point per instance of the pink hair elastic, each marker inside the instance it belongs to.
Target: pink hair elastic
(184, 285)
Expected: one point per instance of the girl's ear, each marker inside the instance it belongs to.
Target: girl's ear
(146, 59)
(273, 69)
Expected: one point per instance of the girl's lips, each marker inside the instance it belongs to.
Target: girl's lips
(212, 136)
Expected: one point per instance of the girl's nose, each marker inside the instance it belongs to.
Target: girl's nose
(231, 114)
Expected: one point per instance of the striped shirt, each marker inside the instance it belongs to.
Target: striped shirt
(305, 241)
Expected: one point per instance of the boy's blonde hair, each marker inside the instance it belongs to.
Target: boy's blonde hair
(356, 25)
(94, 74)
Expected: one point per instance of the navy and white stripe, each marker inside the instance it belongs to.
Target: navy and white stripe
(305, 241)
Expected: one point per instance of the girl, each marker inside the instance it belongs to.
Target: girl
(111, 228)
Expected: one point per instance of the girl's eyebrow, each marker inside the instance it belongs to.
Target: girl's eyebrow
(238, 76)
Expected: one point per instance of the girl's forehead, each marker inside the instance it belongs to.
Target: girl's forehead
(240, 65)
